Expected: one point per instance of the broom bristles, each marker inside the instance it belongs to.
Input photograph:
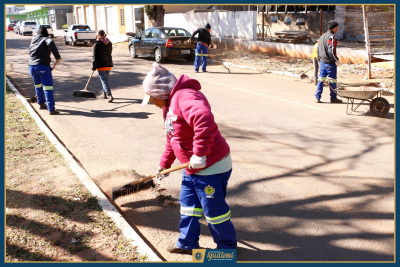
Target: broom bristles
(128, 189)
(84, 93)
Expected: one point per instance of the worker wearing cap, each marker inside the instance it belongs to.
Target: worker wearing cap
(193, 136)
(328, 58)
(203, 42)
(40, 50)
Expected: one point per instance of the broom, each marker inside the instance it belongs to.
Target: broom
(141, 184)
(219, 63)
(84, 92)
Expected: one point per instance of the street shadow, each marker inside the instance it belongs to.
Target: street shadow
(61, 209)
(262, 238)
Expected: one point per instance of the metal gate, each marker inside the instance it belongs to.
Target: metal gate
(80, 16)
(112, 27)
(100, 19)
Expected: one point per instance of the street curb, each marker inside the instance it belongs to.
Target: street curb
(85, 179)
(286, 73)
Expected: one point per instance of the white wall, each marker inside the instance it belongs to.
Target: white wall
(241, 24)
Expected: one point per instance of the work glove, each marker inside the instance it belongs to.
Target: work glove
(58, 60)
(160, 176)
(197, 162)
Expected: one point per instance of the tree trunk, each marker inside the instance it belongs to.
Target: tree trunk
(159, 20)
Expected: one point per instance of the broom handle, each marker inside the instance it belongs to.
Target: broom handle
(88, 81)
(185, 165)
(306, 71)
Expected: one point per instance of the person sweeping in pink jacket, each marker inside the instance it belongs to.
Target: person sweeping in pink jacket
(193, 136)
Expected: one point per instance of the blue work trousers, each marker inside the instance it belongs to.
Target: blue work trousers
(205, 194)
(201, 56)
(104, 75)
(43, 81)
(326, 70)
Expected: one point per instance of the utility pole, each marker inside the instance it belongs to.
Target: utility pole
(320, 22)
(367, 43)
(263, 11)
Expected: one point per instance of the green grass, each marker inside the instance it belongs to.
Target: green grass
(44, 216)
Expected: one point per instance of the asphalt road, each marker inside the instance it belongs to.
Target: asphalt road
(309, 182)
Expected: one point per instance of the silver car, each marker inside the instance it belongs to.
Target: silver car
(27, 27)
(48, 27)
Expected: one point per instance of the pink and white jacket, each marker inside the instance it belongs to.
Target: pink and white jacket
(190, 127)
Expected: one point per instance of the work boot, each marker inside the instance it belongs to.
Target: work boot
(42, 106)
(204, 71)
(173, 248)
(336, 100)
(317, 101)
(103, 95)
(110, 98)
(55, 112)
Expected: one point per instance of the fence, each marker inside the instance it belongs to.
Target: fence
(380, 26)
(242, 24)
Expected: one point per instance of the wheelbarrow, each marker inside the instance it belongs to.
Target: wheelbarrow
(379, 106)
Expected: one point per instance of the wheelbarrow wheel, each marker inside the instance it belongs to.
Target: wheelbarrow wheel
(379, 107)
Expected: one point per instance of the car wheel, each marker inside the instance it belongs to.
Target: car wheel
(65, 41)
(52, 36)
(132, 51)
(85, 42)
(158, 56)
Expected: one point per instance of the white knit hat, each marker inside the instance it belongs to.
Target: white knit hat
(158, 83)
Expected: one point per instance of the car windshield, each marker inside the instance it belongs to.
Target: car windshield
(176, 32)
(12, 24)
(81, 28)
(46, 26)
(30, 23)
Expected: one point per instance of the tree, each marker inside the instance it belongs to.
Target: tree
(155, 14)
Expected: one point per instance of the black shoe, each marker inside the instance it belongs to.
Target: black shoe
(336, 101)
(103, 95)
(42, 106)
(196, 71)
(110, 98)
(317, 101)
(173, 248)
(204, 71)
(55, 112)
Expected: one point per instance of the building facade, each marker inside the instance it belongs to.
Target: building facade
(113, 19)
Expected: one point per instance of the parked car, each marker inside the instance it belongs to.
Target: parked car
(48, 27)
(79, 33)
(26, 27)
(10, 27)
(16, 27)
(162, 43)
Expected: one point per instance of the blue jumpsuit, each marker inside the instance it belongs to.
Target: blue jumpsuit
(205, 194)
(201, 56)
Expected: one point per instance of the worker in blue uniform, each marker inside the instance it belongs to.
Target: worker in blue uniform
(203, 43)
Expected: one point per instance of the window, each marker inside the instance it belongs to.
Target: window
(155, 33)
(176, 32)
(145, 34)
(121, 12)
(59, 12)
